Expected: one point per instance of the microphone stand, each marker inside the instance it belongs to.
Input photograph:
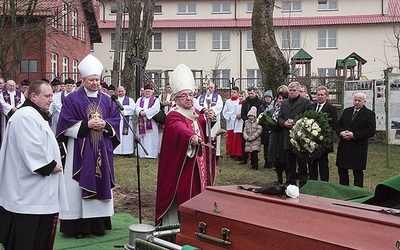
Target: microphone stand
(137, 142)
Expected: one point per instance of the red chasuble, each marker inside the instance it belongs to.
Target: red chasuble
(179, 176)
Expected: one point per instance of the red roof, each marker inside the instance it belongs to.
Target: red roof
(278, 22)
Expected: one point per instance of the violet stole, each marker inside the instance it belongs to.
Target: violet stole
(145, 126)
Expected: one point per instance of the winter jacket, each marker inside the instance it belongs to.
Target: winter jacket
(252, 135)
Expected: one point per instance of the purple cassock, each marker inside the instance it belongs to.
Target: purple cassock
(93, 164)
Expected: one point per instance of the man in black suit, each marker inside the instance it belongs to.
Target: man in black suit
(355, 127)
(290, 108)
(321, 163)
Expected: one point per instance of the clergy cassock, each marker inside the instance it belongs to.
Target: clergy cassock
(9, 100)
(126, 136)
(229, 114)
(236, 149)
(30, 199)
(182, 170)
(89, 164)
(217, 106)
(147, 128)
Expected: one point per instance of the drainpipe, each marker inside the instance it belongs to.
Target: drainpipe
(236, 9)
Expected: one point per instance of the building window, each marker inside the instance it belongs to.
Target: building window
(155, 77)
(75, 70)
(222, 78)
(158, 9)
(54, 21)
(28, 66)
(65, 68)
(124, 41)
(326, 72)
(254, 78)
(221, 40)
(186, 40)
(291, 39)
(83, 31)
(54, 64)
(156, 42)
(327, 38)
(184, 9)
(249, 40)
(64, 19)
(250, 7)
(221, 8)
(291, 6)
(114, 9)
(74, 22)
(327, 5)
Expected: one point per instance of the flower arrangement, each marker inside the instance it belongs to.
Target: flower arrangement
(311, 134)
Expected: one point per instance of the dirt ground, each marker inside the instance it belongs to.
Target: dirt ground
(126, 200)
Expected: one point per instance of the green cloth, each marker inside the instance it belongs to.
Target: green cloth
(333, 191)
(387, 194)
(118, 236)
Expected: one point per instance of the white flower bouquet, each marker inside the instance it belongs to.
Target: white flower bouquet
(311, 135)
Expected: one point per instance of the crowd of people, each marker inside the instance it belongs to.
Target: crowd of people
(59, 140)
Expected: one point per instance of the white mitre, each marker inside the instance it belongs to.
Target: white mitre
(90, 65)
(181, 79)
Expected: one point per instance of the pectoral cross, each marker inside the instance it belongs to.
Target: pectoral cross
(95, 115)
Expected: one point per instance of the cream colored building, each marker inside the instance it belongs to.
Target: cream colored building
(214, 37)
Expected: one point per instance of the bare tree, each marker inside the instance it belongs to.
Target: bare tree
(22, 24)
(139, 36)
(273, 66)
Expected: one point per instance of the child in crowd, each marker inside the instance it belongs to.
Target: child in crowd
(252, 135)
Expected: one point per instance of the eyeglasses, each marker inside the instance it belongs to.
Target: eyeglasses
(185, 96)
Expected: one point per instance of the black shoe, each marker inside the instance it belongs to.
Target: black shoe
(243, 163)
(255, 167)
(79, 235)
(267, 165)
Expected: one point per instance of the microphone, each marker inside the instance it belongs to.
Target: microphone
(115, 99)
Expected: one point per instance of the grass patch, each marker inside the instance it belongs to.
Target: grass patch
(229, 172)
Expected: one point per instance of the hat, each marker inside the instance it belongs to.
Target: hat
(25, 82)
(69, 81)
(55, 82)
(252, 111)
(269, 93)
(111, 87)
(46, 80)
(90, 65)
(79, 82)
(148, 86)
(181, 78)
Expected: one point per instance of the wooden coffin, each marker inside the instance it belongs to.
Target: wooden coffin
(226, 217)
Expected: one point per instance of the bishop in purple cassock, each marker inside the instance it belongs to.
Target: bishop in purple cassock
(89, 123)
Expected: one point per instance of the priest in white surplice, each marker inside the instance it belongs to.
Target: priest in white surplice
(216, 105)
(32, 187)
(59, 97)
(147, 129)
(126, 136)
(10, 100)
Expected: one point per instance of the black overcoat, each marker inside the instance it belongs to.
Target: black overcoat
(352, 154)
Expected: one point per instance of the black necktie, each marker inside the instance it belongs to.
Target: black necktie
(354, 114)
(319, 108)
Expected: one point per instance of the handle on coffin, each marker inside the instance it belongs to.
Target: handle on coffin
(224, 231)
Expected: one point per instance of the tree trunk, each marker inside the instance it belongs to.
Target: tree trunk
(141, 34)
(270, 59)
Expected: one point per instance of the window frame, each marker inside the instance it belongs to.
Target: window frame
(218, 38)
(293, 41)
(74, 23)
(187, 9)
(188, 39)
(221, 9)
(64, 17)
(155, 41)
(29, 66)
(328, 6)
(54, 64)
(327, 39)
(291, 5)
